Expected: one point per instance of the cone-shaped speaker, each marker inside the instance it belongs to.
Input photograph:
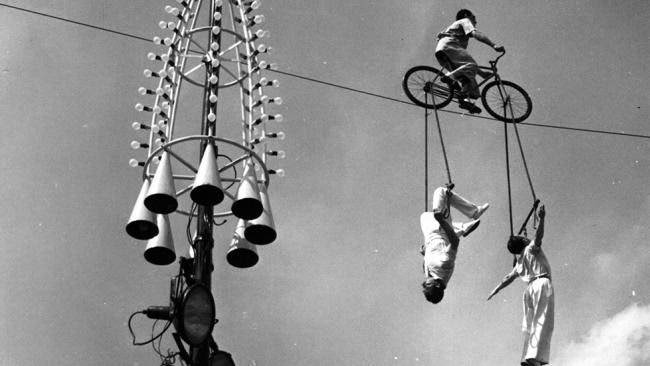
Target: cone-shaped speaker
(261, 230)
(207, 188)
(241, 253)
(161, 198)
(248, 204)
(160, 250)
(142, 225)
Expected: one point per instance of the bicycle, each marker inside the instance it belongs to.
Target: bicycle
(504, 100)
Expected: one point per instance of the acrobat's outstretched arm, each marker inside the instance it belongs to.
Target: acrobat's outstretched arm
(505, 282)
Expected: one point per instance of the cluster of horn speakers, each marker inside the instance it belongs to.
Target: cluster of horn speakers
(157, 199)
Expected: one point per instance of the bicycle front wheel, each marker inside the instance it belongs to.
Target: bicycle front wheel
(506, 101)
(423, 87)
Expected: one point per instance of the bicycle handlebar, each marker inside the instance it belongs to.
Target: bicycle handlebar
(494, 62)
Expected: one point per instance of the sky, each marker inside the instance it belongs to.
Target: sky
(341, 284)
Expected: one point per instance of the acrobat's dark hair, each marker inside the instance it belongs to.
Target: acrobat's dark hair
(516, 244)
(463, 13)
(433, 290)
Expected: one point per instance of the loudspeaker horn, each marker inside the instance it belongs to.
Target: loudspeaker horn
(261, 230)
(248, 204)
(207, 188)
(141, 224)
(161, 198)
(160, 250)
(241, 253)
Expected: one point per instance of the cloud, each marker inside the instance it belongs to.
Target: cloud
(622, 340)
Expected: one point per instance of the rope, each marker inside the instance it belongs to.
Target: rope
(426, 149)
(442, 143)
(523, 157)
(505, 132)
(426, 157)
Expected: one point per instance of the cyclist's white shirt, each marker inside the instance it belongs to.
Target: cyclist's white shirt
(457, 34)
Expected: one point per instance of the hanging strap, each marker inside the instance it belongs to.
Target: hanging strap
(450, 184)
(505, 133)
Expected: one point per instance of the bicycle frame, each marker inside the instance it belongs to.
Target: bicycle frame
(492, 68)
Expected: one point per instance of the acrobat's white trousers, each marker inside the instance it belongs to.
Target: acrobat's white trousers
(539, 314)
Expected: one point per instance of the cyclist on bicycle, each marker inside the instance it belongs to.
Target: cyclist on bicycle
(451, 53)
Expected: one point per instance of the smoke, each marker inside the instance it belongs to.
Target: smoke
(622, 340)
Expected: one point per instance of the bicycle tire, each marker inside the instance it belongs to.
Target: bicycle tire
(422, 86)
(517, 110)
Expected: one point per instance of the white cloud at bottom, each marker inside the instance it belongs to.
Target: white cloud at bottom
(622, 340)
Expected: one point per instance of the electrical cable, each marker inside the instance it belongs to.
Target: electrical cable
(578, 129)
(150, 340)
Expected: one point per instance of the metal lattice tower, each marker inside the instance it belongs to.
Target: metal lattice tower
(211, 139)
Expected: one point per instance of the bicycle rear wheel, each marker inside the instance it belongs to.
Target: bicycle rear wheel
(423, 87)
(506, 101)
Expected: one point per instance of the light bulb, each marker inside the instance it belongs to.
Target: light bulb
(218, 3)
(215, 62)
(261, 33)
(256, 4)
(151, 56)
(276, 100)
(155, 128)
(273, 66)
(217, 15)
(157, 40)
(137, 126)
(142, 90)
(281, 154)
(135, 145)
(139, 107)
(214, 46)
(213, 79)
(216, 30)
(275, 83)
(165, 105)
(261, 48)
(213, 98)
(167, 41)
(278, 172)
(212, 117)
(278, 118)
(147, 73)
(157, 109)
(259, 19)
(162, 24)
(134, 163)
(263, 80)
(162, 73)
(281, 135)
(262, 64)
(162, 124)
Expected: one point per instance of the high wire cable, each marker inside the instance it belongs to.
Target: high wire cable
(76, 22)
(341, 86)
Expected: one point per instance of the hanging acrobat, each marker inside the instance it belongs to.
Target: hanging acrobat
(539, 301)
(441, 239)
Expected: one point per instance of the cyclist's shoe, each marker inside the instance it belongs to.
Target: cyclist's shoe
(469, 106)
